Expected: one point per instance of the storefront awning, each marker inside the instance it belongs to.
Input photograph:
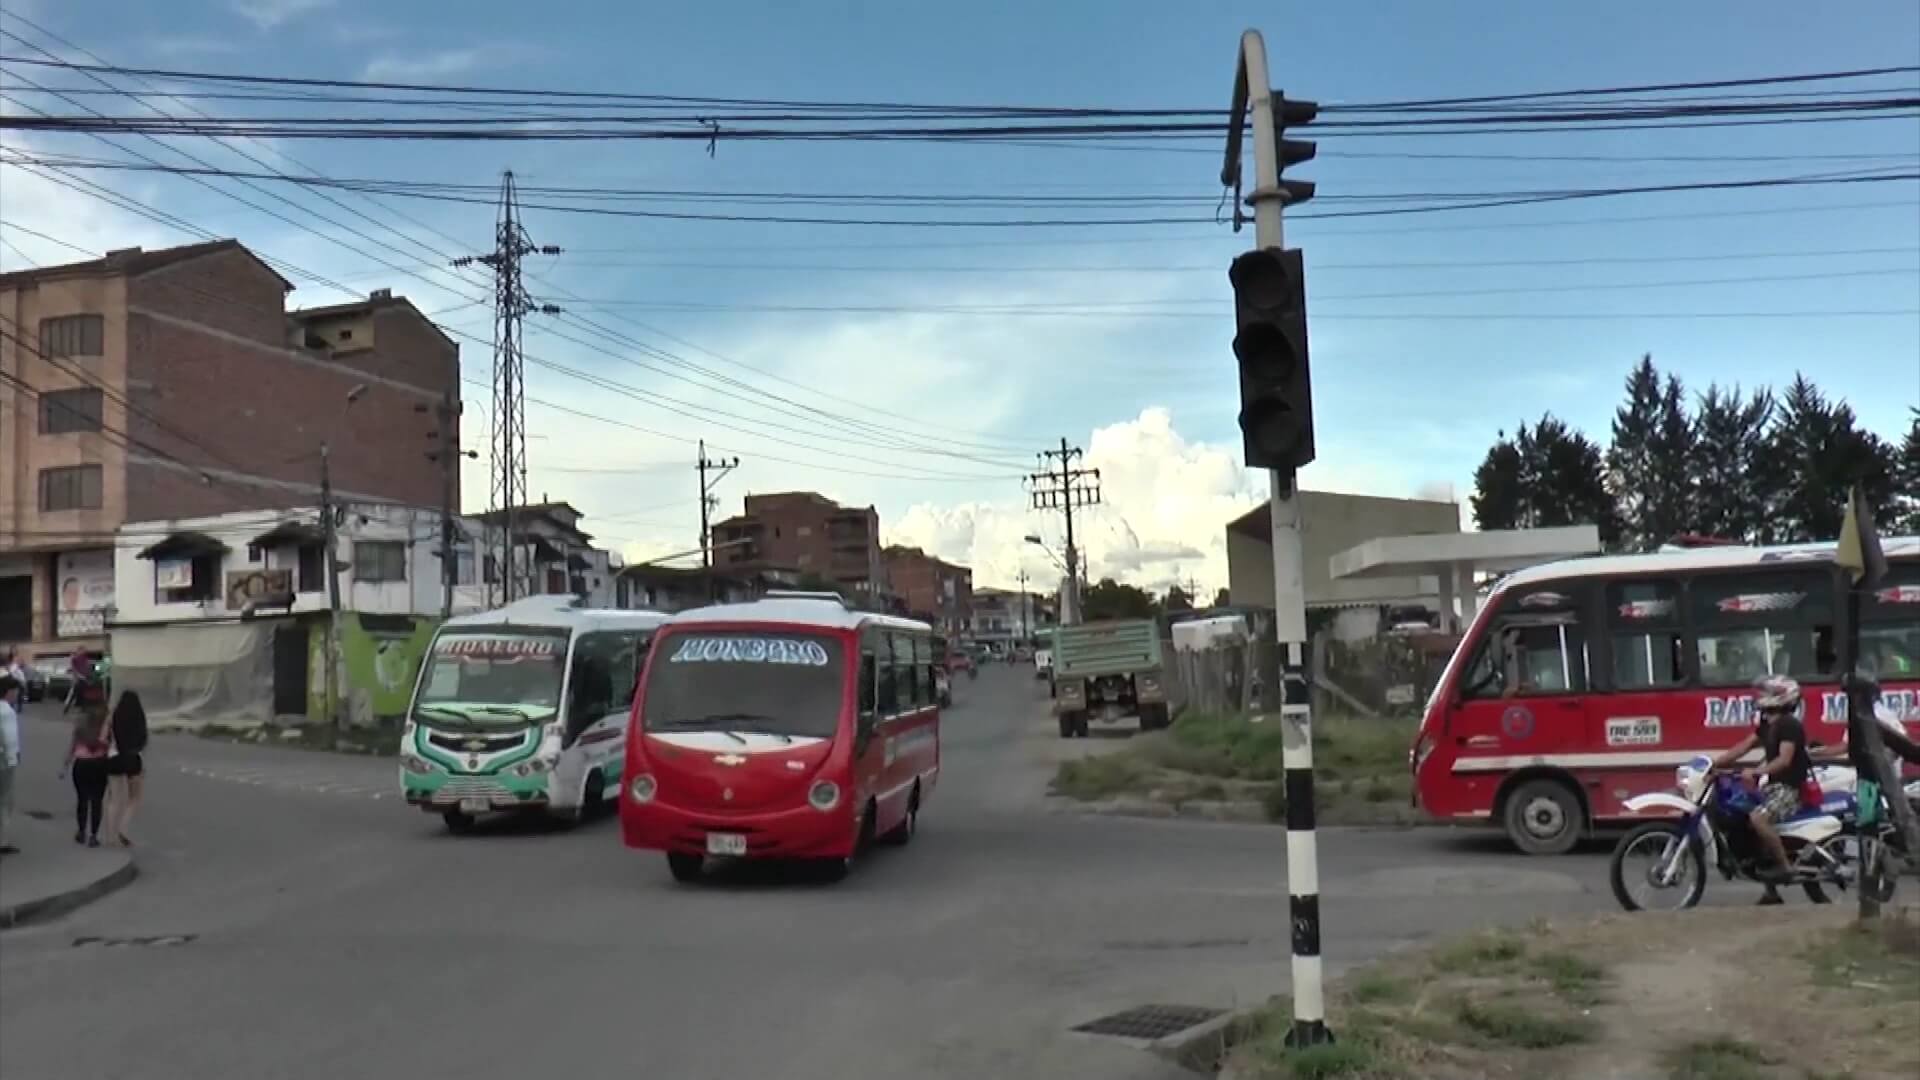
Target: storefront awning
(185, 545)
(291, 534)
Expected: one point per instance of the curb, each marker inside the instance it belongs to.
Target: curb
(1203, 1046)
(50, 907)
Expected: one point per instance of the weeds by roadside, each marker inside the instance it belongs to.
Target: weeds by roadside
(1360, 768)
(1719, 1058)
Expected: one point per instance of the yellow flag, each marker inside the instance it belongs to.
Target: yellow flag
(1859, 549)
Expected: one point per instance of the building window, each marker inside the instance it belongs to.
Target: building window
(73, 335)
(313, 568)
(379, 560)
(186, 581)
(74, 487)
(65, 411)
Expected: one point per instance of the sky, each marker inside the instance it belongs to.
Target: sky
(1422, 351)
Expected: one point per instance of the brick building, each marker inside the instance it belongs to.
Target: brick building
(932, 589)
(168, 384)
(806, 533)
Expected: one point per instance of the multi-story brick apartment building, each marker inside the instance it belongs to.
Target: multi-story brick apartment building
(932, 589)
(169, 384)
(806, 533)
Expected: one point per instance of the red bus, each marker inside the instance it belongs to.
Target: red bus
(787, 728)
(1581, 684)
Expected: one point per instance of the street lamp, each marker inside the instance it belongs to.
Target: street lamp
(1042, 545)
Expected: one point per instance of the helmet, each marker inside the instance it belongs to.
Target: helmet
(1773, 693)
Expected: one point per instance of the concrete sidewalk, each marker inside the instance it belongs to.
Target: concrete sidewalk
(52, 875)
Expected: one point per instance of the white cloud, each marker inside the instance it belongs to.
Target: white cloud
(427, 66)
(269, 14)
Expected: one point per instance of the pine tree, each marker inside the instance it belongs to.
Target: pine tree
(1498, 492)
(1671, 508)
(1630, 456)
(1733, 474)
(1824, 452)
(1907, 479)
(1569, 480)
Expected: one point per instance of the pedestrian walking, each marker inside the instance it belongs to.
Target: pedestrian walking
(125, 768)
(87, 757)
(11, 690)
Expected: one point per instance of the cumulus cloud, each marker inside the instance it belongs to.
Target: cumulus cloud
(269, 14)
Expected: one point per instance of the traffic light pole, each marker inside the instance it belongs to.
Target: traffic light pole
(1252, 92)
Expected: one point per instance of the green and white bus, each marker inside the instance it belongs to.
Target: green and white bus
(524, 709)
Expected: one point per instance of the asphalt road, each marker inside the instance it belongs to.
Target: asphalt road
(334, 932)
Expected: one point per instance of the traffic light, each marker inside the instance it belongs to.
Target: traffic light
(1276, 392)
(1288, 114)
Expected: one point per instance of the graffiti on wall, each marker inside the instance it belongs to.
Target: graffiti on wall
(378, 665)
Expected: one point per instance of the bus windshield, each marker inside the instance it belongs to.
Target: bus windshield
(754, 682)
(493, 674)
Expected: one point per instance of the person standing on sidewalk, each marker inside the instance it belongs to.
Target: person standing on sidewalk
(11, 690)
(87, 760)
(125, 767)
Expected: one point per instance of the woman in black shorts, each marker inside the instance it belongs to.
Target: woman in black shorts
(125, 767)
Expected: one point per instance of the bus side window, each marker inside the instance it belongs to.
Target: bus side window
(1767, 623)
(595, 686)
(889, 700)
(1537, 646)
(1890, 625)
(905, 677)
(1649, 644)
(925, 657)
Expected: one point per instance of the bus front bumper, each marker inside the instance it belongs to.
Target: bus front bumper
(437, 792)
(799, 833)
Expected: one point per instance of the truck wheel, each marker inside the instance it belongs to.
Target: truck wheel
(1080, 724)
(1066, 725)
(1543, 817)
(1153, 717)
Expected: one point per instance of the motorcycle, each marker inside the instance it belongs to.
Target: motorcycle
(1823, 846)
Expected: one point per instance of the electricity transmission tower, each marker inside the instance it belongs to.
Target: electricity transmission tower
(508, 456)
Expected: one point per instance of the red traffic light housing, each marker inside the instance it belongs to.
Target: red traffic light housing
(1276, 391)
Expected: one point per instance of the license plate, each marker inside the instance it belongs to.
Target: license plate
(720, 843)
(474, 806)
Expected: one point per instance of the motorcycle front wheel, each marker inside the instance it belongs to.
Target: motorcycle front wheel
(1658, 867)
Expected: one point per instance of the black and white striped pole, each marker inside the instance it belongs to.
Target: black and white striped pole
(1276, 422)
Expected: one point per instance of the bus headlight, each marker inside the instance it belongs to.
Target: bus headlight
(412, 764)
(642, 789)
(532, 767)
(824, 795)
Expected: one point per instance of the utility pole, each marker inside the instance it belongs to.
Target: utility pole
(511, 304)
(719, 467)
(329, 530)
(1276, 419)
(1026, 609)
(1062, 489)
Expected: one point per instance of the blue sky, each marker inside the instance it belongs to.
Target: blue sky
(1410, 386)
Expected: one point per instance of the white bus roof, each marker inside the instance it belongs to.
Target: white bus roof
(1690, 559)
(797, 610)
(558, 612)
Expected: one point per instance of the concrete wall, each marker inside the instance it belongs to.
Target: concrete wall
(1332, 523)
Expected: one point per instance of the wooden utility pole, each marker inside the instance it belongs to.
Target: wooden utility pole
(329, 529)
(719, 467)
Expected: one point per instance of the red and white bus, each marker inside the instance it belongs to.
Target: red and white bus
(787, 728)
(1581, 684)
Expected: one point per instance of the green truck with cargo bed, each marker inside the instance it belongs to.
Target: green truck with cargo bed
(1108, 671)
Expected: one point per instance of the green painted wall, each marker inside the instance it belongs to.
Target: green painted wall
(377, 668)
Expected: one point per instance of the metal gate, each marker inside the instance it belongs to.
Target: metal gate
(290, 669)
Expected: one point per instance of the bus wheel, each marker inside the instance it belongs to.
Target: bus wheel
(592, 798)
(685, 868)
(902, 834)
(458, 823)
(1543, 817)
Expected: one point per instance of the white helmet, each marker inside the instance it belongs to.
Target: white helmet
(1772, 693)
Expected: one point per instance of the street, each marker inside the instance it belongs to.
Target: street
(333, 932)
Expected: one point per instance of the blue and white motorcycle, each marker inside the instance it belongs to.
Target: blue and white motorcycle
(1663, 865)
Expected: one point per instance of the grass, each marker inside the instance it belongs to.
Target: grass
(1481, 955)
(1718, 1058)
(1360, 767)
(1511, 1024)
(1882, 957)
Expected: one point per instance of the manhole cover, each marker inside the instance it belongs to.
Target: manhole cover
(1150, 1022)
(155, 941)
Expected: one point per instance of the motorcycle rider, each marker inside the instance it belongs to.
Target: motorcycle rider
(1782, 739)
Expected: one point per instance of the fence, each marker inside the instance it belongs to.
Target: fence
(1384, 676)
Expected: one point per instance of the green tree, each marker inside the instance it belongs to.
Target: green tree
(1651, 460)
(1109, 599)
(1224, 598)
(1734, 474)
(1907, 479)
(1823, 452)
(1177, 600)
(1498, 498)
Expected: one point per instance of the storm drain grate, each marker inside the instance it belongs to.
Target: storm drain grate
(157, 941)
(1150, 1022)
